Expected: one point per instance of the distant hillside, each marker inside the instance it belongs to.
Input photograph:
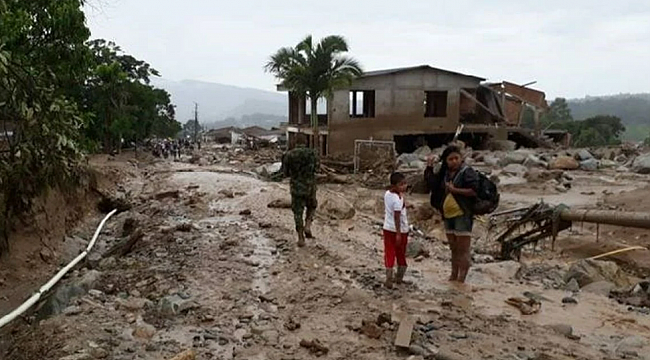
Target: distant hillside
(218, 102)
(633, 109)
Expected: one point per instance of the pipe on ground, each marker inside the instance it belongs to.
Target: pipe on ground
(45, 288)
(609, 217)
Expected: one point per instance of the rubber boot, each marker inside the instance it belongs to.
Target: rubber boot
(399, 277)
(389, 279)
(308, 233)
(301, 239)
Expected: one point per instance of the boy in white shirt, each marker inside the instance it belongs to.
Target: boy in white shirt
(396, 229)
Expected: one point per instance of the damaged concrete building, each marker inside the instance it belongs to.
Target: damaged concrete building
(414, 106)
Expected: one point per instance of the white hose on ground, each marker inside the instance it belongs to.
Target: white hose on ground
(45, 288)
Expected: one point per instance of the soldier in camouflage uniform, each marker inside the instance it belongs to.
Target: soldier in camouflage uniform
(301, 164)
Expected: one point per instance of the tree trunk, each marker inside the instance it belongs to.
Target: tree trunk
(314, 124)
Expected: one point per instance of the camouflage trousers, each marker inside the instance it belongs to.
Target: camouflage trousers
(300, 202)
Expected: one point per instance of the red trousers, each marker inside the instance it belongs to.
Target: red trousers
(394, 250)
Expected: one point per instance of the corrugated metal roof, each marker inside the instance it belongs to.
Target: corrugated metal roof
(410, 68)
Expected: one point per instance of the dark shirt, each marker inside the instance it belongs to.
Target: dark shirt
(465, 178)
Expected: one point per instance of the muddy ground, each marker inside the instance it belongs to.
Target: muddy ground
(217, 272)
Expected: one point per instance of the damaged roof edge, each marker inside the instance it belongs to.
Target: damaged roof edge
(411, 68)
(281, 87)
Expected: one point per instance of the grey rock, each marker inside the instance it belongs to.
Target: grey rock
(562, 329)
(174, 305)
(607, 164)
(417, 350)
(572, 286)
(630, 344)
(589, 165)
(62, 296)
(534, 161)
(584, 154)
(569, 300)
(599, 288)
(491, 161)
(515, 169)
(641, 164)
(502, 145)
(588, 271)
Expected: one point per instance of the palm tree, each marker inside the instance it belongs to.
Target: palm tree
(314, 71)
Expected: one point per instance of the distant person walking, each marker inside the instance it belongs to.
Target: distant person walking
(301, 164)
(453, 193)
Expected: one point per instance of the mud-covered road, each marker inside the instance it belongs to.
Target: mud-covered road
(217, 272)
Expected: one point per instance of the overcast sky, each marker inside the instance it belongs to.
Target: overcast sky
(572, 48)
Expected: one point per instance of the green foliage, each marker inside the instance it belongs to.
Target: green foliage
(58, 94)
(314, 70)
(596, 131)
(190, 128)
(125, 106)
(558, 112)
(42, 66)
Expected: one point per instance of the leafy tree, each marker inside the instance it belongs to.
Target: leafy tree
(596, 131)
(43, 64)
(559, 112)
(191, 127)
(314, 71)
(125, 106)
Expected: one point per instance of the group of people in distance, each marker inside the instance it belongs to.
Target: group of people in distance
(453, 187)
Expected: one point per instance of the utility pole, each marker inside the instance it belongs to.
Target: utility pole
(196, 121)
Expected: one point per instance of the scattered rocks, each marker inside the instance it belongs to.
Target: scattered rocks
(371, 329)
(641, 164)
(564, 163)
(631, 345)
(589, 165)
(227, 193)
(315, 347)
(572, 285)
(569, 300)
(562, 329)
(588, 271)
(72, 310)
(515, 169)
(185, 355)
(384, 318)
(143, 330)
(280, 204)
(584, 154)
(337, 208)
(268, 169)
(167, 194)
(599, 287)
(292, 324)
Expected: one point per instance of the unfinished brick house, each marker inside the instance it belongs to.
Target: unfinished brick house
(413, 106)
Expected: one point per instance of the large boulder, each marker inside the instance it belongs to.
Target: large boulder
(406, 159)
(608, 164)
(502, 145)
(337, 208)
(423, 152)
(584, 154)
(515, 157)
(268, 169)
(491, 160)
(564, 163)
(515, 169)
(641, 164)
(589, 165)
(534, 161)
(590, 271)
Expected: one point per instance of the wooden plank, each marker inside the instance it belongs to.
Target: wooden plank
(469, 96)
(403, 338)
